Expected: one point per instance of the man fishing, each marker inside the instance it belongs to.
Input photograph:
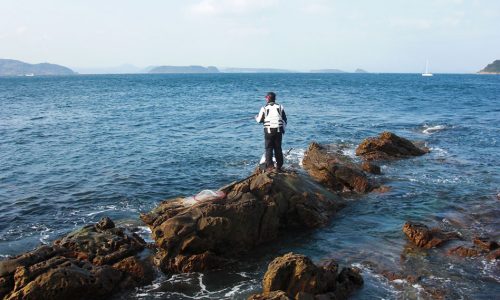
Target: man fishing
(274, 118)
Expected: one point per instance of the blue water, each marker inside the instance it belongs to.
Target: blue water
(74, 149)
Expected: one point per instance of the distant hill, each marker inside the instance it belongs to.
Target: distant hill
(184, 69)
(493, 68)
(360, 71)
(254, 70)
(10, 67)
(328, 71)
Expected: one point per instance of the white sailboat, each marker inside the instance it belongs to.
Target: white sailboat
(426, 73)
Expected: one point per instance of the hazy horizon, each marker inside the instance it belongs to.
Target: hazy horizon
(456, 36)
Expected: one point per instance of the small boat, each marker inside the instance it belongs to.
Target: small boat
(426, 73)
(29, 75)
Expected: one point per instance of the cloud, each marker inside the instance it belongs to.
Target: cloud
(222, 7)
(248, 31)
(20, 30)
(411, 23)
(454, 19)
(317, 7)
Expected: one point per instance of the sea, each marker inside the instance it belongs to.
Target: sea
(74, 149)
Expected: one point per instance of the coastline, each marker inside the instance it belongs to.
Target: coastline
(204, 246)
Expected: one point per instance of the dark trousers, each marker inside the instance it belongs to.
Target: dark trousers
(273, 144)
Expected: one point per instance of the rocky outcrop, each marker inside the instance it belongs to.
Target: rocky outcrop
(482, 246)
(205, 235)
(388, 146)
(420, 235)
(334, 170)
(91, 263)
(294, 276)
(370, 168)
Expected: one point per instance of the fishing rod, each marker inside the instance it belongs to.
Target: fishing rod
(236, 121)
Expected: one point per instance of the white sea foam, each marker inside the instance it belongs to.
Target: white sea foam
(295, 156)
(350, 152)
(381, 280)
(233, 291)
(104, 209)
(439, 151)
(145, 233)
(490, 269)
(432, 129)
(202, 286)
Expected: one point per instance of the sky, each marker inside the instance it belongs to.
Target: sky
(455, 36)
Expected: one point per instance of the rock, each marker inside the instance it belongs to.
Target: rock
(494, 254)
(93, 262)
(299, 278)
(427, 238)
(465, 251)
(274, 295)
(334, 170)
(482, 246)
(382, 189)
(388, 146)
(348, 280)
(485, 243)
(256, 210)
(370, 168)
(391, 276)
(105, 223)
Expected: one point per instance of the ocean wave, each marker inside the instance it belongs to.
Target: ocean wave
(490, 269)
(349, 152)
(440, 152)
(295, 156)
(427, 129)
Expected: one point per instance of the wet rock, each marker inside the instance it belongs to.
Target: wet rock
(427, 238)
(370, 168)
(485, 243)
(465, 251)
(334, 170)
(274, 295)
(391, 276)
(256, 210)
(494, 254)
(91, 263)
(105, 223)
(297, 277)
(482, 246)
(388, 146)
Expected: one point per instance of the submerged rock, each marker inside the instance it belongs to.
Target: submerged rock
(388, 146)
(424, 237)
(208, 234)
(334, 170)
(465, 251)
(371, 168)
(295, 276)
(482, 246)
(91, 263)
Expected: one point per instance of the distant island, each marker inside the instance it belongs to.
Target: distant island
(11, 67)
(328, 71)
(183, 69)
(360, 71)
(493, 68)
